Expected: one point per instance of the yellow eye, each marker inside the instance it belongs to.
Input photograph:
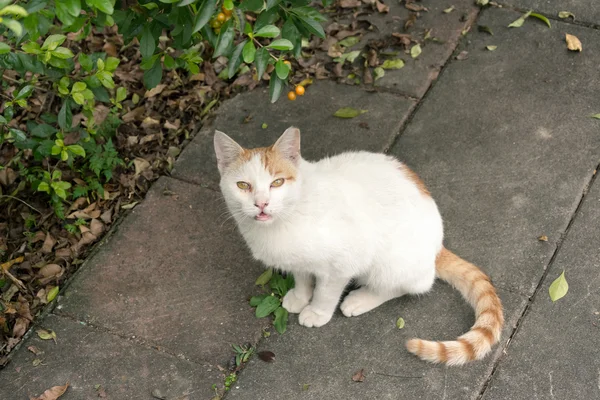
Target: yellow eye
(277, 182)
(243, 185)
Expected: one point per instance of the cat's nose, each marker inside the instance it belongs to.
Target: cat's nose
(261, 205)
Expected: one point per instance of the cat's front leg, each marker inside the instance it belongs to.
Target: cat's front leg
(326, 297)
(297, 298)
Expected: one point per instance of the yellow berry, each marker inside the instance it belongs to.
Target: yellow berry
(221, 17)
(300, 90)
(292, 96)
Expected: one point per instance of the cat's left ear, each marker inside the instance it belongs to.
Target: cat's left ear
(289, 144)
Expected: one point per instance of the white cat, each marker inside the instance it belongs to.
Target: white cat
(356, 216)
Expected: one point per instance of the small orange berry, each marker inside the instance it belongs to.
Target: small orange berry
(226, 11)
(215, 24)
(221, 17)
(300, 90)
(289, 64)
(292, 96)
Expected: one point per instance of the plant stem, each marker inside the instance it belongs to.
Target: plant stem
(22, 201)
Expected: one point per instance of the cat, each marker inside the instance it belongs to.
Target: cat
(357, 216)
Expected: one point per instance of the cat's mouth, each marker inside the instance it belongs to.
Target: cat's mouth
(263, 217)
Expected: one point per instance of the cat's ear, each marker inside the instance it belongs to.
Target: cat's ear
(226, 149)
(289, 144)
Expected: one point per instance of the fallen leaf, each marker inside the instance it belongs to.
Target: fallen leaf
(379, 73)
(415, 7)
(559, 288)
(5, 266)
(140, 165)
(542, 18)
(7, 176)
(543, 238)
(359, 376)
(348, 112)
(449, 10)
(129, 206)
(350, 3)
(46, 334)
(393, 64)
(566, 14)
(36, 362)
(52, 293)
(266, 356)
(491, 47)
(463, 55)
(519, 21)
(415, 51)
(264, 125)
(35, 350)
(134, 114)
(482, 2)
(305, 387)
(49, 243)
(349, 41)
(400, 323)
(486, 29)
(597, 116)
(155, 90)
(53, 393)
(157, 394)
(382, 8)
(148, 123)
(573, 43)
(20, 327)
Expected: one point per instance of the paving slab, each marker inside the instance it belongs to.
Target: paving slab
(417, 74)
(322, 133)
(326, 358)
(555, 353)
(86, 357)
(505, 143)
(175, 274)
(586, 11)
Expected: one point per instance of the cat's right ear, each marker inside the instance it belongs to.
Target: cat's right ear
(226, 149)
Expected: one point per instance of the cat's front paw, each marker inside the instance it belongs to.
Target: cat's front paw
(311, 317)
(294, 301)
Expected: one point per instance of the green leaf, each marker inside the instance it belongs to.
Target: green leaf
(256, 300)
(46, 334)
(111, 64)
(73, 7)
(106, 79)
(149, 6)
(53, 41)
(267, 306)
(4, 48)
(378, 73)
(43, 131)
(449, 10)
(63, 52)
(400, 323)
(349, 41)
(25, 92)
(348, 112)
(249, 52)
(415, 51)
(153, 76)
(566, 14)
(78, 98)
(262, 60)
(597, 116)
(281, 44)
(282, 69)
(311, 25)
(204, 13)
(519, 21)
(486, 29)
(185, 3)
(52, 294)
(147, 42)
(541, 17)
(235, 60)
(78, 87)
(121, 93)
(269, 31)
(65, 116)
(169, 62)
(228, 4)
(14, 26)
(275, 87)
(264, 278)
(31, 48)
(491, 47)
(559, 288)
(103, 5)
(281, 320)
(271, 3)
(77, 150)
(13, 10)
(393, 64)
(225, 39)
(43, 187)
(100, 64)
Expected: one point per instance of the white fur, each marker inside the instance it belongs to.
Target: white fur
(352, 216)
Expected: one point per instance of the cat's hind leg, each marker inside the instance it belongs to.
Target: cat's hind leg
(365, 299)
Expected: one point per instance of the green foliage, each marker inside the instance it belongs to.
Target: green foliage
(40, 45)
(267, 304)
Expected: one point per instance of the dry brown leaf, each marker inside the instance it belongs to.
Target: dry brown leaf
(150, 122)
(38, 237)
(335, 51)
(106, 216)
(50, 270)
(35, 350)
(197, 77)
(463, 55)
(415, 7)
(140, 165)
(543, 238)
(349, 3)
(359, 376)
(573, 43)
(150, 138)
(155, 90)
(171, 126)
(53, 393)
(382, 8)
(134, 114)
(100, 113)
(96, 227)
(7, 176)
(110, 49)
(49, 243)
(132, 140)
(20, 327)
(410, 21)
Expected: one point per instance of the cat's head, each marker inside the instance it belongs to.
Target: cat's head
(260, 185)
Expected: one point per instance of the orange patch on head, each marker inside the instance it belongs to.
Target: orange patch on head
(273, 161)
(414, 178)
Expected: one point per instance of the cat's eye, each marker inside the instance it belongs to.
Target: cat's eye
(277, 182)
(243, 185)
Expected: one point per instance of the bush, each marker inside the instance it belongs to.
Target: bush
(42, 48)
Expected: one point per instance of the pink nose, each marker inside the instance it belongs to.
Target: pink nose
(261, 205)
